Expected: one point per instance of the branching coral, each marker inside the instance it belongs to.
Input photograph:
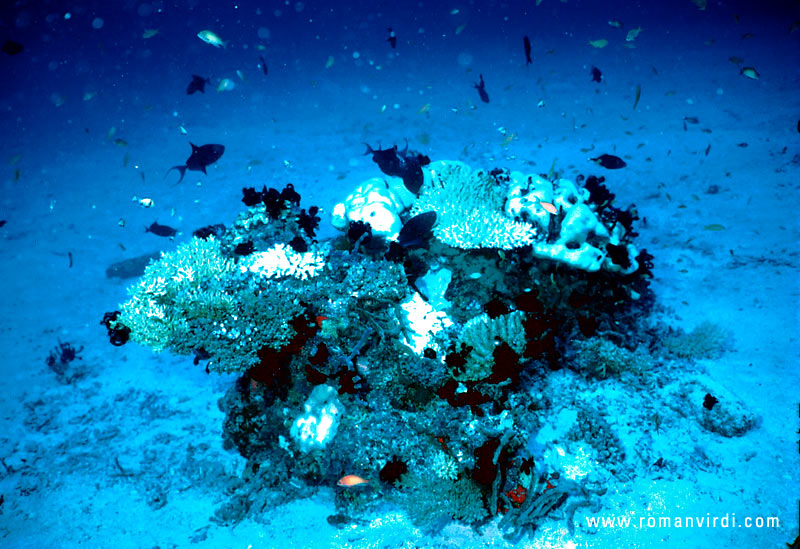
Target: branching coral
(190, 299)
(469, 208)
(483, 334)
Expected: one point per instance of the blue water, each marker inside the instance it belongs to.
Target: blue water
(91, 118)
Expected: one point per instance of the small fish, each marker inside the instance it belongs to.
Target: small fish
(149, 33)
(226, 84)
(119, 142)
(735, 60)
(263, 65)
(417, 231)
(121, 222)
(638, 95)
(714, 227)
(17, 175)
(548, 207)
(617, 24)
(11, 47)
(329, 62)
(691, 119)
(708, 149)
(460, 29)
(424, 108)
(481, 87)
(597, 76)
(209, 37)
(609, 161)
(198, 84)
(88, 96)
(320, 319)
(526, 42)
(200, 158)
(182, 130)
(240, 74)
(632, 34)
(161, 230)
(351, 480)
(750, 72)
(747, 35)
(701, 4)
(144, 202)
(392, 39)
(600, 43)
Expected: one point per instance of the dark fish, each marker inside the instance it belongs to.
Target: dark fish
(264, 68)
(199, 159)
(481, 87)
(597, 76)
(526, 41)
(609, 161)
(3, 222)
(160, 230)
(404, 164)
(392, 38)
(417, 230)
(198, 84)
(12, 48)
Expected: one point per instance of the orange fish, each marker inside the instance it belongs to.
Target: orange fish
(549, 208)
(320, 320)
(351, 480)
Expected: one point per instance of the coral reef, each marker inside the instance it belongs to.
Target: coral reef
(422, 364)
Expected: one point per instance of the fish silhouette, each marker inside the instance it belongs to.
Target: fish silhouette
(198, 84)
(201, 157)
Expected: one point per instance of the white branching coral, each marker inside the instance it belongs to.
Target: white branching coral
(469, 208)
(282, 261)
(444, 466)
(483, 334)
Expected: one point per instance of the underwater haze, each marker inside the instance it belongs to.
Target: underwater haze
(400, 274)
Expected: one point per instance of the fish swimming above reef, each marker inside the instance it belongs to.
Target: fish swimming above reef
(200, 158)
(198, 84)
(392, 38)
(597, 76)
(160, 230)
(417, 231)
(481, 87)
(609, 161)
(210, 37)
(404, 164)
(12, 48)
(527, 43)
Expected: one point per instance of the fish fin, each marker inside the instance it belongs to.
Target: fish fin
(181, 169)
(204, 170)
(369, 150)
(194, 147)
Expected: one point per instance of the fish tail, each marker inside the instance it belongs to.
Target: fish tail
(181, 169)
(369, 150)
